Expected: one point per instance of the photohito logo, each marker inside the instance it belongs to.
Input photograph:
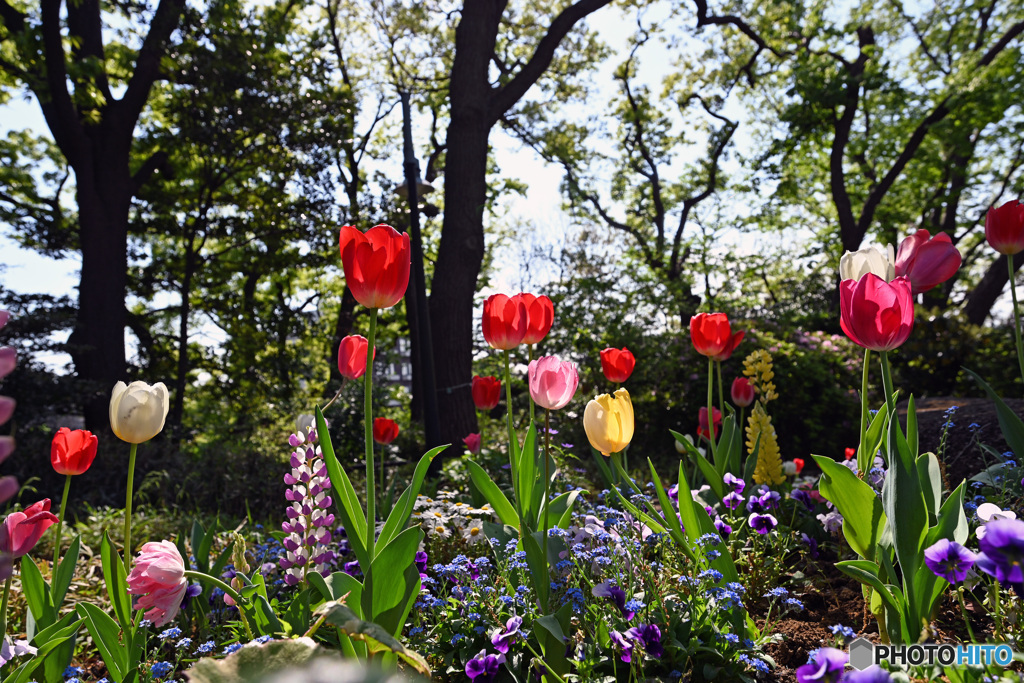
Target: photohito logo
(864, 653)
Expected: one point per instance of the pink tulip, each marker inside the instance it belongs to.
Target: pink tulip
(876, 314)
(472, 443)
(552, 382)
(159, 577)
(22, 530)
(928, 261)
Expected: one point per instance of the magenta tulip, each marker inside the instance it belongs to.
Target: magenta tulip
(928, 261)
(22, 530)
(876, 314)
(553, 382)
(1004, 228)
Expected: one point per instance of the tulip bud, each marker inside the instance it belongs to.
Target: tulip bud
(472, 443)
(856, 264)
(1004, 228)
(742, 392)
(138, 410)
(486, 392)
(384, 430)
(352, 356)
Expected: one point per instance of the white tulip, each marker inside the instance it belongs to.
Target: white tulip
(138, 410)
(856, 264)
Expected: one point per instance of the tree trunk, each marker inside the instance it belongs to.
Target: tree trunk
(983, 297)
(97, 345)
(461, 251)
(181, 381)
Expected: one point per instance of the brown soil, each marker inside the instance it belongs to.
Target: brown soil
(962, 457)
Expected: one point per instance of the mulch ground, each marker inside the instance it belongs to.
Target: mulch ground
(831, 598)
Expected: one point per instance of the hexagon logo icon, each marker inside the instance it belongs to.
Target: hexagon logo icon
(862, 654)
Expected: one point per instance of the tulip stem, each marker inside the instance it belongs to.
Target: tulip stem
(60, 524)
(1016, 316)
(3, 607)
(963, 610)
(890, 400)
(863, 459)
(711, 416)
(239, 600)
(513, 441)
(529, 360)
(721, 396)
(128, 509)
(371, 486)
(547, 478)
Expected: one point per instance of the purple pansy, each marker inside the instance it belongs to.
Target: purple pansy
(626, 646)
(762, 524)
(606, 589)
(723, 529)
(1002, 551)
(872, 674)
(736, 483)
(949, 560)
(484, 667)
(503, 637)
(732, 500)
(650, 636)
(825, 666)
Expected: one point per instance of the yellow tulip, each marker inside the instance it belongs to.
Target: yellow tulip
(608, 421)
(138, 410)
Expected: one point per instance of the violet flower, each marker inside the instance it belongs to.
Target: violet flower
(736, 483)
(421, 563)
(650, 636)
(723, 529)
(625, 645)
(949, 560)
(872, 674)
(1002, 552)
(606, 589)
(732, 500)
(762, 524)
(484, 667)
(825, 666)
(804, 497)
(502, 638)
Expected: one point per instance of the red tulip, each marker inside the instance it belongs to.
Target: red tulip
(799, 462)
(376, 264)
(928, 261)
(486, 392)
(72, 452)
(505, 321)
(617, 365)
(1004, 228)
(876, 314)
(742, 392)
(850, 452)
(540, 314)
(384, 430)
(22, 530)
(352, 356)
(702, 421)
(472, 443)
(712, 335)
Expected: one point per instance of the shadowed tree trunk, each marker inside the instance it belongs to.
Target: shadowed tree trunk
(984, 295)
(476, 106)
(95, 136)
